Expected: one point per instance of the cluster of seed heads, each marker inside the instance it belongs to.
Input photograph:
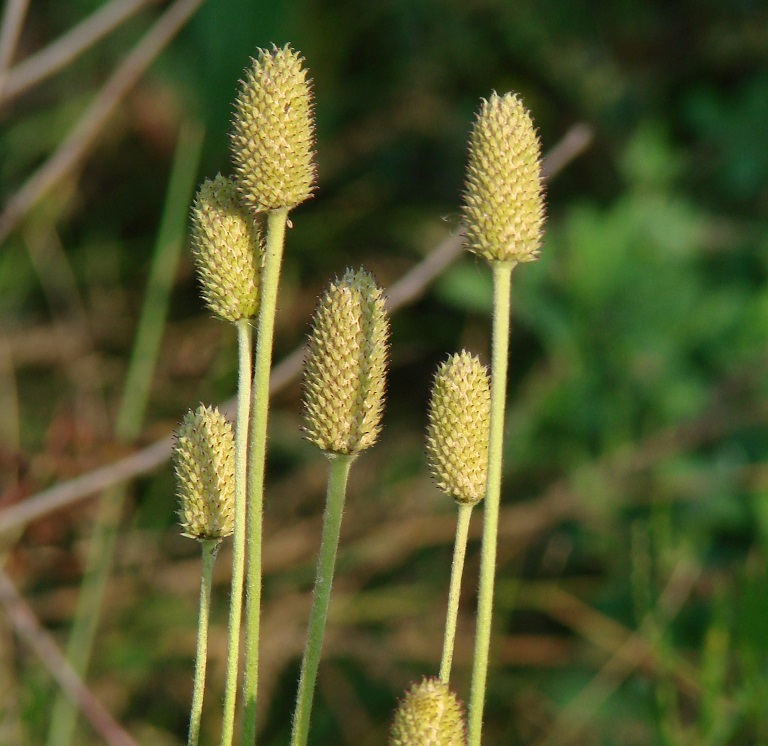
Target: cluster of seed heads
(272, 147)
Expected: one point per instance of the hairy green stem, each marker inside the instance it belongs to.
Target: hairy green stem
(502, 276)
(457, 569)
(257, 451)
(338, 472)
(210, 549)
(244, 352)
(101, 548)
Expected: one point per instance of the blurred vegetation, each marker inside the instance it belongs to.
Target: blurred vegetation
(632, 592)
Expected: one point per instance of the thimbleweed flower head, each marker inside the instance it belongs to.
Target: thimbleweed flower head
(345, 368)
(504, 196)
(226, 244)
(204, 459)
(428, 715)
(457, 431)
(272, 139)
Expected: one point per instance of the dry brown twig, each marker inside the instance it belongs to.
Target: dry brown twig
(38, 640)
(82, 136)
(56, 55)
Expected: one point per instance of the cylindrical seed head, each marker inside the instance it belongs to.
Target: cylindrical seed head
(272, 138)
(204, 459)
(429, 714)
(226, 244)
(504, 195)
(345, 367)
(457, 431)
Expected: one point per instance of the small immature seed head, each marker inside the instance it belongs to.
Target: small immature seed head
(504, 195)
(457, 433)
(345, 368)
(429, 715)
(204, 459)
(272, 139)
(226, 244)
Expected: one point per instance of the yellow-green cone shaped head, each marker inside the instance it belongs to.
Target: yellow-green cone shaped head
(272, 138)
(345, 368)
(204, 460)
(504, 195)
(429, 715)
(457, 432)
(226, 244)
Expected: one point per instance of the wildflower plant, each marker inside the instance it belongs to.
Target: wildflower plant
(504, 214)
(205, 468)
(238, 233)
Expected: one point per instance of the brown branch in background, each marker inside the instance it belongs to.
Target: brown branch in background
(40, 642)
(13, 20)
(407, 289)
(83, 135)
(52, 58)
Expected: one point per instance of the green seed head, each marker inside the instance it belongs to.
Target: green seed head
(226, 244)
(345, 368)
(429, 715)
(272, 139)
(204, 458)
(457, 432)
(504, 196)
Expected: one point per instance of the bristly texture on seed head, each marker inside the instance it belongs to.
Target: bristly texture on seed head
(226, 244)
(504, 194)
(272, 138)
(204, 460)
(345, 368)
(457, 432)
(429, 714)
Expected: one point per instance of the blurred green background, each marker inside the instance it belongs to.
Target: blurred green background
(632, 593)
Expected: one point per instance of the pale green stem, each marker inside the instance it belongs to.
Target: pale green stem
(457, 569)
(245, 352)
(502, 275)
(338, 472)
(210, 549)
(133, 402)
(257, 451)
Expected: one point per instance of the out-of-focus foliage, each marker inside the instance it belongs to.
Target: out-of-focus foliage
(632, 587)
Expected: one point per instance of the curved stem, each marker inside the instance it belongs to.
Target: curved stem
(502, 275)
(338, 472)
(257, 451)
(210, 549)
(457, 569)
(244, 351)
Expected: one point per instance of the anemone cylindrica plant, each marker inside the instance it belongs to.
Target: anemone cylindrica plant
(238, 234)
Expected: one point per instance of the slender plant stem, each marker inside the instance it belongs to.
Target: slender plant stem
(502, 281)
(457, 569)
(257, 452)
(338, 472)
(245, 353)
(210, 548)
(133, 403)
